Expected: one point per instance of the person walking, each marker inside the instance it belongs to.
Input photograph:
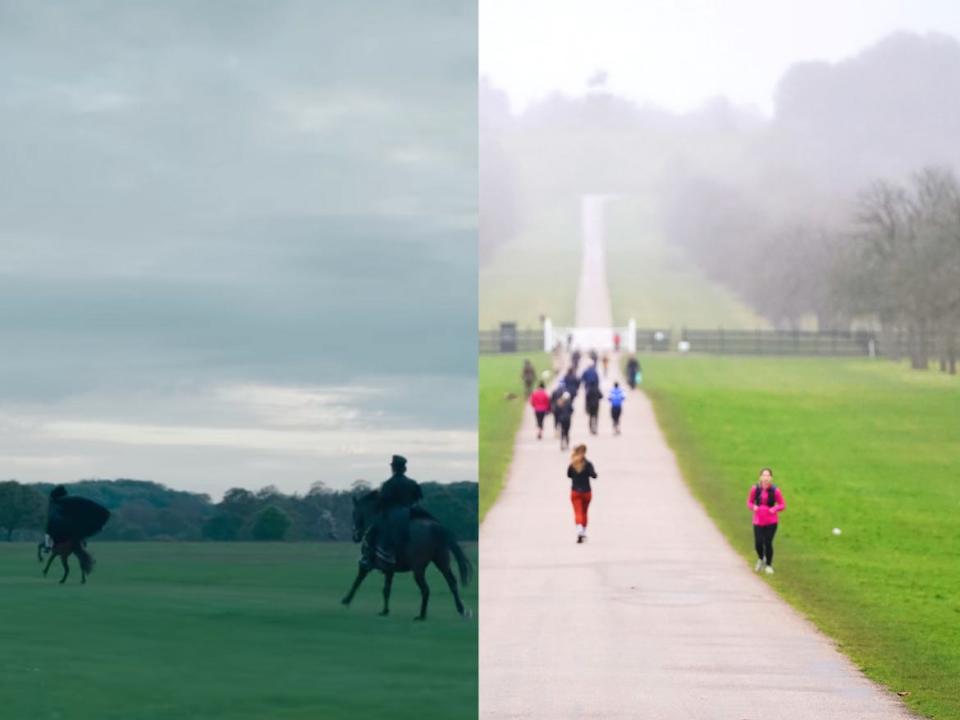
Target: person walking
(564, 416)
(580, 471)
(555, 396)
(593, 398)
(590, 377)
(633, 372)
(606, 364)
(616, 406)
(540, 402)
(529, 376)
(766, 501)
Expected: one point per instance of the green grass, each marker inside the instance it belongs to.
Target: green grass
(500, 418)
(535, 273)
(656, 285)
(184, 631)
(870, 447)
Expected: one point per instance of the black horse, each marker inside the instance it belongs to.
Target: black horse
(427, 542)
(70, 521)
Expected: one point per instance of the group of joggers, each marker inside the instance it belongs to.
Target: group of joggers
(560, 401)
(765, 499)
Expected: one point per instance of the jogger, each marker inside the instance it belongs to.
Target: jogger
(540, 402)
(766, 501)
(616, 406)
(580, 471)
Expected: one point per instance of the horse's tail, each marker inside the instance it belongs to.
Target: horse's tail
(86, 559)
(463, 562)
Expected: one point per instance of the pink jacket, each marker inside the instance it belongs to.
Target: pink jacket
(766, 515)
(540, 400)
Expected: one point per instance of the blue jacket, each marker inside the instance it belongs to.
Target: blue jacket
(590, 376)
(617, 397)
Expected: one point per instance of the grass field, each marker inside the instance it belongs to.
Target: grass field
(184, 631)
(535, 273)
(656, 285)
(500, 418)
(870, 447)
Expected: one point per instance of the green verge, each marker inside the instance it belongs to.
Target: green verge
(245, 631)
(535, 273)
(500, 418)
(869, 447)
(656, 285)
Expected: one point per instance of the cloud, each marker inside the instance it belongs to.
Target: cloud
(259, 209)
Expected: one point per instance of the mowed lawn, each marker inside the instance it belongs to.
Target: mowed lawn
(198, 631)
(869, 447)
(534, 273)
(499, 375)
(657, 285)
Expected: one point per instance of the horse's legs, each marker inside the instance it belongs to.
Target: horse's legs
(444, 567)
(53, 556)
(66, 567)
(361, 574)
(419, 575)
(387, 583)
(83, 573)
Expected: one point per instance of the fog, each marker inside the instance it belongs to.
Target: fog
(839, 209)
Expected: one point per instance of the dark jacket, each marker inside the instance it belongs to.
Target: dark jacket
(594, 396)
(581, 480)
(399, 491)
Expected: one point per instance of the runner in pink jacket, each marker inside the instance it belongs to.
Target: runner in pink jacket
(766, 501)
(540, 402)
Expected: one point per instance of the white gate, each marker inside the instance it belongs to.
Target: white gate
(590, 338)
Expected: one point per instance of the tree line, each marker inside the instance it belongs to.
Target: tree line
(143, 510)
(889, 261)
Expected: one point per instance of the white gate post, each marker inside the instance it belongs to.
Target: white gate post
(548, 335)
(632, 335)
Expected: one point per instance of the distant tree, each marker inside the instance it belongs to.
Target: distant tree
(223, 526)
(20, 507)
(271, 523)
(906, 259)
(360, 486)
(318, 487)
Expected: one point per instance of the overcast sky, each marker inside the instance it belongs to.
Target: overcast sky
(679, 53)
(238, 241)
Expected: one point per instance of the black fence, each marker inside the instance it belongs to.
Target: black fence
(510, 339)
(779, 342)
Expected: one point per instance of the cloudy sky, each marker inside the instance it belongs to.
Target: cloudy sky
(238, 241)
(679, 53)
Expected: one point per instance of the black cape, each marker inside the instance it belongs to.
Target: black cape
(75, 518)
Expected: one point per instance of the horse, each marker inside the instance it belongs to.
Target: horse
(427, 542)
(71, 520)
(63, 549)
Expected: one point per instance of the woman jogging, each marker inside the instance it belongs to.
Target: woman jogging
(580, 472)
(616, 406)
(540, 402)
(564, 415)
(766, 501)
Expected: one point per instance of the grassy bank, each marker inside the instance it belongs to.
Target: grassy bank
(500, 418)
(534, 273)
(656, 284)
(869, 447)
(166, 631)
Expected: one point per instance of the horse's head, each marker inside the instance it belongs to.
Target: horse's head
(364, 510)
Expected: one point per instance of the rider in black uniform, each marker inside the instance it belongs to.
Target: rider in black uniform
(398, 496)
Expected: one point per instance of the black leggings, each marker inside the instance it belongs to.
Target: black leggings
(763, 541)
(540, 416)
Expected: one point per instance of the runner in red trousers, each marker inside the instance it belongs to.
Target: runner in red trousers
(580, 472)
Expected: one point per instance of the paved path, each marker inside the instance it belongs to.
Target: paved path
(655, 617)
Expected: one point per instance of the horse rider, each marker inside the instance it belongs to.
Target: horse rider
(398, 496)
